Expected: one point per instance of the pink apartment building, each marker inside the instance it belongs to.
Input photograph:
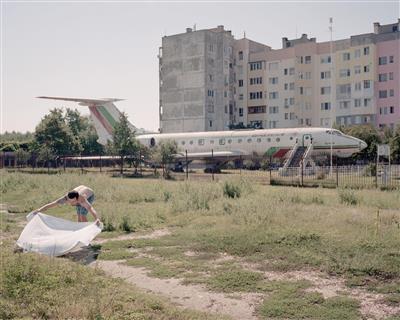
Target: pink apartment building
(387, 85)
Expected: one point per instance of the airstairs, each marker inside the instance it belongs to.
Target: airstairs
(299, 155)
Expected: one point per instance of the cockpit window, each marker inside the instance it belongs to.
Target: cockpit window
(335, 132)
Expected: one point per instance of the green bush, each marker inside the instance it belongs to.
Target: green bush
(231, 190)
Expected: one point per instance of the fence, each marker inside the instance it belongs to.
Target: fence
(366, 176)
(354, 176)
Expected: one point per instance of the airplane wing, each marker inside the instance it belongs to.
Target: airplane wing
(83, 102)
(209, 155)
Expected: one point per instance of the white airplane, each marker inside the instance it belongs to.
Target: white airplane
(222, 146)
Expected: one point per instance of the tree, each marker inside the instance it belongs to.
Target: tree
(165, 153)
(124, 142)
(394, 142)
(370, 135)
(53, 133)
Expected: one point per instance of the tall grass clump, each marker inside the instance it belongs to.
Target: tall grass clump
(231, 189)
(347, 196)
(126, 225)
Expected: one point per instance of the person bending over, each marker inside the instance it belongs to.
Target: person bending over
(82, 197)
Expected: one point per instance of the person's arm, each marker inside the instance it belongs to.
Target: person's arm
(50, 205)
(86, 204)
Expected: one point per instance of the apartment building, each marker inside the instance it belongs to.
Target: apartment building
(209, 80)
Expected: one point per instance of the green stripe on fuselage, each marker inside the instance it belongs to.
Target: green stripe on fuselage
(271, 151)
(104, 112)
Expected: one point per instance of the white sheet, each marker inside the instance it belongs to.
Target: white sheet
(54, 236)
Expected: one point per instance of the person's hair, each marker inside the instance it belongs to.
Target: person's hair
(73, 194)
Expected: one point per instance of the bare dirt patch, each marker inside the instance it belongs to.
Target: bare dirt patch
(371, 303)
(189, 296)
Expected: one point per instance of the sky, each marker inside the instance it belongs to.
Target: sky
(92, 49)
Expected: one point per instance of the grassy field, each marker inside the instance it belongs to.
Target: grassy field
(352, 234)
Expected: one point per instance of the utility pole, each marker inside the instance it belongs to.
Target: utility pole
(331, 96)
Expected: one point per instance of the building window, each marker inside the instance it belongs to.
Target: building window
(367, 102)
(344, 73)
(240, 112)
(241, 96)
(366, 51)
(382, 77)
(222, 141)
(391, 109)
(357, 86)
(256, 65)
(344, 104)
(357, 103)
(257, 80)
(307, 59)
(210, 123)
(258, 109)
(366, 68)
(325, 90)
(391, 76)
(256, 95)
(357, 69)
(325, 106)
(273, 80)
(200, 142)
(391, 59)
(210, 93)
(357, 53)
(326, 59)
(273, 95)
(346, 56)
(286, 116)
(367, 84)
(391, 92)
(273, 110)
(240, 55)
(326, 75)
(240, 83)
(382, 60)
(210, 108)
(291, 71)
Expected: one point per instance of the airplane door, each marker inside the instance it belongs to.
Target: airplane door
(306, 139)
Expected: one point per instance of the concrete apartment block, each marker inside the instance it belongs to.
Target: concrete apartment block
(209, 80)
(196, 81)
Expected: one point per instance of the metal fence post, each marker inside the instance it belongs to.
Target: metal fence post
(212, 160)
(302, 173)
(187, 165)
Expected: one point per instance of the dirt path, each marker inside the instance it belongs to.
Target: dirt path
(189, 296)
(241, 306)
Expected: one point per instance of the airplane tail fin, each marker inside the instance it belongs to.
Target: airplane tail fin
(103, 113)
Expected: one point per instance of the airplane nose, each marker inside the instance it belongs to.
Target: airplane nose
(363, 145)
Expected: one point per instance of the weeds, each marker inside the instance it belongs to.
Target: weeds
(347, 196)
(231, 190)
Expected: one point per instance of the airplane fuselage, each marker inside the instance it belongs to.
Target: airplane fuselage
(250, 143)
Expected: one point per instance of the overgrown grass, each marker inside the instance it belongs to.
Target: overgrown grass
(278, 228)
(33, 286)
(288, 301)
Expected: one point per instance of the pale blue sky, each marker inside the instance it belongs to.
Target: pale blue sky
(96, 50)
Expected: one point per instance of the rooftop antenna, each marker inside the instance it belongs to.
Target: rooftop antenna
(194, 27)
(244, 34)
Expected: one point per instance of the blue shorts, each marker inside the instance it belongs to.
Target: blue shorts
(83, 211)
